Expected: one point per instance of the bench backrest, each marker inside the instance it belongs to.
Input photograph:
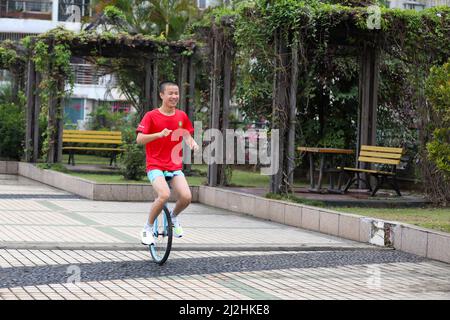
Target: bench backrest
(382, 155)
(90, 136)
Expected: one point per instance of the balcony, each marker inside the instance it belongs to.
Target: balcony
(87, 74)
(39, 10)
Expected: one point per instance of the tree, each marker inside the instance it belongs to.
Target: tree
(157, 17)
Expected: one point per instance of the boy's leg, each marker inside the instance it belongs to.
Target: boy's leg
(162, 190)
(181, 187)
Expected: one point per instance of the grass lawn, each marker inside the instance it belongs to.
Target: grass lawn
(117, 178)
(87, 159)
(240, 178)
(432, 218)
(246, 178)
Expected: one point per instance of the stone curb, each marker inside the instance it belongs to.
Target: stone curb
(181, 247)
(389, 234)
(86, 188)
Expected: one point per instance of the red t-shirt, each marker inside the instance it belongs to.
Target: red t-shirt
(159, 151)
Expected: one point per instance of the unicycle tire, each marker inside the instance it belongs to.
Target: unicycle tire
(161, 249)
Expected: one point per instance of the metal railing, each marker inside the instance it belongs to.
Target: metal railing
(91, 75)
(26, 9)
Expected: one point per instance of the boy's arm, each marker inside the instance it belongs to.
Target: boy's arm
(143, 138)
(190, 142)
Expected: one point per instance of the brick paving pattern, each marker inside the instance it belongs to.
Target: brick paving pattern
(48, 251)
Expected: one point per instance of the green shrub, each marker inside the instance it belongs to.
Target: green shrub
(12, 131)
(102, 118)
(438, 93)
(439, 150)
(132, 161)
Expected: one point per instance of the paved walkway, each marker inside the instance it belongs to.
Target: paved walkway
(54, 245)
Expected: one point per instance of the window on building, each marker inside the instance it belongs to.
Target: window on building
(202, 4)
(74, 10)
(120, 106)
(414, 6)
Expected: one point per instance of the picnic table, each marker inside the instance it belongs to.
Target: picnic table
(327, 160)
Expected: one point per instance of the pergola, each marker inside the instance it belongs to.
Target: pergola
(346, 35)
(345, 30)
(136, 48)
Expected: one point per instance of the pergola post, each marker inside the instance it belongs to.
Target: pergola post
(183, 76)
(183, 82)
(227, 63)
(279, 181)
(37, 110)
(155, 77)
(148, 85)
(59, 123)
(368, 100)
(30, 111)
(190, 108)
(292, 113)
(191, 95)
(220, 94)
(368, 97)
(214, 106)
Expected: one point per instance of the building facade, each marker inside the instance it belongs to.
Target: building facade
(417, 4)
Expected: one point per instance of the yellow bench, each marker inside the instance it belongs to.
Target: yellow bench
(379, 155)
(72, 139)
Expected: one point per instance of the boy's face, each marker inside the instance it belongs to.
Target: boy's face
(170, 96)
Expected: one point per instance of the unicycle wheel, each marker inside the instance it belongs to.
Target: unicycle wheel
(162, 229)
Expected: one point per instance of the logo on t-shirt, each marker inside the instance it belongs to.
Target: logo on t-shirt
(180, 124)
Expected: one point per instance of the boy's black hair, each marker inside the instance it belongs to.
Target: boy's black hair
(164, 84)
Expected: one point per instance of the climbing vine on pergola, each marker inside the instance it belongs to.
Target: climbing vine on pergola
(49, 74)
(293, 35)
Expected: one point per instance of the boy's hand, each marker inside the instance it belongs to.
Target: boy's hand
(165, 133)
(192, 144)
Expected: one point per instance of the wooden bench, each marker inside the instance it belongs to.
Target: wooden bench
(378, 155)
(73, 138)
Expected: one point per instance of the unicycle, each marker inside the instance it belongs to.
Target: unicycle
(162, 230)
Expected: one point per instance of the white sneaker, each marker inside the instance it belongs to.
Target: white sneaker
(147, 237)
(177, 229)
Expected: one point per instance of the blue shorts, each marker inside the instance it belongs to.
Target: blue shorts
(152, 174)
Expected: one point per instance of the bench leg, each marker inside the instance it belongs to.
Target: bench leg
(340, 179)
(311, 170)
(395, 186)
(367, 181)
(71, 158)
(349, 183)
(113, 159)
(378, 185)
